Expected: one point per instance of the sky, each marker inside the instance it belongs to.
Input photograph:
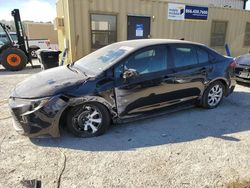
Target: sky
(34, 10)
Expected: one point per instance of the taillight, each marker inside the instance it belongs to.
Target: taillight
(233, 64)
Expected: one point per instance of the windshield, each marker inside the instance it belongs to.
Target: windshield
(103, 58)
(3, 37)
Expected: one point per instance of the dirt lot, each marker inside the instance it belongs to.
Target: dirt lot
(191, 148)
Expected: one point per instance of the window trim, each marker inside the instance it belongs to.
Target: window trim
(90, 26)
(225, 35)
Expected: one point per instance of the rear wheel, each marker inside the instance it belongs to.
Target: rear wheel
(13, 59)
(213, 95)
(88, 120)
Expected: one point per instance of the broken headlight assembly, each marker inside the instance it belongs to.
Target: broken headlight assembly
(27, 106)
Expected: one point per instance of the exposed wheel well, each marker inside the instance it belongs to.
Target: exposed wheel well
(62, 120)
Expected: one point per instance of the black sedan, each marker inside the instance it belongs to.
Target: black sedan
(242, 69)
(123, 81)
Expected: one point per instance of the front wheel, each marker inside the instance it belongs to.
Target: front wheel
(13, 59)
(213, 95)
(88, 120)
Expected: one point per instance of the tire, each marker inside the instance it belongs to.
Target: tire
(32, 52)
(13, 59)
(213, 95)
(88, 120)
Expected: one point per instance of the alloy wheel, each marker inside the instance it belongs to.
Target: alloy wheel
(88, 119)
(215, 95)
(33, 54)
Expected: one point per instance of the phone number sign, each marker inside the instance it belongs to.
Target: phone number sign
(196, 13)
(187, 12)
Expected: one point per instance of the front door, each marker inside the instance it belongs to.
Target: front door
(150, 89)
(138, 27)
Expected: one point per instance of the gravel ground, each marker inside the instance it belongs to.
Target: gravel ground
(190, 148)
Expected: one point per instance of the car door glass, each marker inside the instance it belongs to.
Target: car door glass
(203, 56)
(148, 60)
(184, 56)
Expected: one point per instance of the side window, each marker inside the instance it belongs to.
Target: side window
(203, 56)
(148, 53)
(103, 30)
(184, 55)
(149, 60)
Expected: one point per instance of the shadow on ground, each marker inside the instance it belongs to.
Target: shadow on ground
(230, 117)
(27, 70)
(243, 84)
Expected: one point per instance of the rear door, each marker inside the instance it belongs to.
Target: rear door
(138, 27)
(191, 66)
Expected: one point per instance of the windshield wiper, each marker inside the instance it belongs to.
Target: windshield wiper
(84, 73)
(72, 64)
(72, 69)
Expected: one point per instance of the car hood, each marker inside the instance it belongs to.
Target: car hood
(243, 60)
(48, 83)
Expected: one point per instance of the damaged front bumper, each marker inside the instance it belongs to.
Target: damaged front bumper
(36, 117)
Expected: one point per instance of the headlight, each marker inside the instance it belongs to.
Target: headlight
(26, 106)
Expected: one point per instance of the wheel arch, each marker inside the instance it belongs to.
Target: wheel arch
(34, 47)
(223, 81)
(87, 99)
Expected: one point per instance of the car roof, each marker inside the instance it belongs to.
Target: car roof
(149, 42)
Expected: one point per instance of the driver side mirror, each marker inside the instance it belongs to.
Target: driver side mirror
(129, 73)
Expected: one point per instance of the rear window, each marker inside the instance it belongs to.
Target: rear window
(184, 55)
